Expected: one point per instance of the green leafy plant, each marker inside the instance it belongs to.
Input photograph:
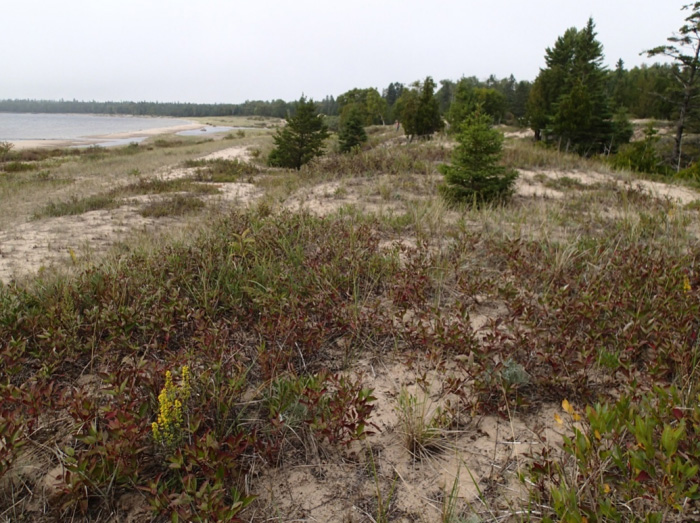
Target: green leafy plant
(5, 148)
(642, 156)
(623, 456)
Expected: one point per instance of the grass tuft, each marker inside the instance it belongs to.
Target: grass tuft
(176, 205)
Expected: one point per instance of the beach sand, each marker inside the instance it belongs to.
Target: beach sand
(98, 139)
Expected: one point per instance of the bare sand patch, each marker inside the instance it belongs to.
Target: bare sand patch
(245, 193)
(521, 134)
(379, 195)
(239, 152)
(478, 460)
(27, 247)
(529, 185)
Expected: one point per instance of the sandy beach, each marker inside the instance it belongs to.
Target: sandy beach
(97, 139)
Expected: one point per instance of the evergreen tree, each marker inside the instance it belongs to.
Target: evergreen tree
(569, 102)
(301, 139)
(519, 104)
(474, 175)
(419, 110)
(685, 53)
(372, 106)
(445, 95)
(352, 132)
(391, 94)
(468, 98)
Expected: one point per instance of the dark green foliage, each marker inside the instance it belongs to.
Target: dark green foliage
(569, 103)
(645, 91)
(18, 167)
(391, 94)
(475, 175)
(368, 102)
(504, 99)
(446, 95)
(642, 156)
(468, 98)
(352, 132)
(419, 110)
(685, 53)
(301, 140)
(622, 129)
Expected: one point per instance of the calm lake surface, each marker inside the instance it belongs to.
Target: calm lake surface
(24, 126)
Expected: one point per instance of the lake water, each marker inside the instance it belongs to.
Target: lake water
(24, 126)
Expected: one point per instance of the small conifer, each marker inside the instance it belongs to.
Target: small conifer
(474, 175)
(352, 132)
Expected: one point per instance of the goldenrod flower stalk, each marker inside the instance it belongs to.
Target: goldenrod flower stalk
(167, 429)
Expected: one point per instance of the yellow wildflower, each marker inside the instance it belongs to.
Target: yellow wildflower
(168, 427)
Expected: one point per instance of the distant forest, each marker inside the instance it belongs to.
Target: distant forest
(639, 91)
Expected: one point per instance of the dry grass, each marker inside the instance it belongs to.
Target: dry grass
(378, 314)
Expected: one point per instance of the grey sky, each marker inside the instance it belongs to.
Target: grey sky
(234, 50)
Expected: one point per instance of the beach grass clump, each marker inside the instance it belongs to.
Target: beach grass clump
(423, 424)
(525, 154)
(18, 167)
(76, 205)
(162, 186)
(176, 205)
(167, 143)
(220, 170)
(394, 159)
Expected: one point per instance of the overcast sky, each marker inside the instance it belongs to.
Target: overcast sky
(237, 50)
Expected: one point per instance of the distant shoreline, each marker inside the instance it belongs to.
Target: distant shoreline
(97, 139)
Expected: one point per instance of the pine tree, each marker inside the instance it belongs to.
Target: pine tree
(419, 110)
(685, 53)
(474, 175)
(301, 139)
(569, 104)
(352, 132)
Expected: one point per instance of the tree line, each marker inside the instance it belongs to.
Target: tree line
(274, 108)
(575, 103)
(505, 99)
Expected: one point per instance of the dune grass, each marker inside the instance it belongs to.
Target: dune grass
(179, 369)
